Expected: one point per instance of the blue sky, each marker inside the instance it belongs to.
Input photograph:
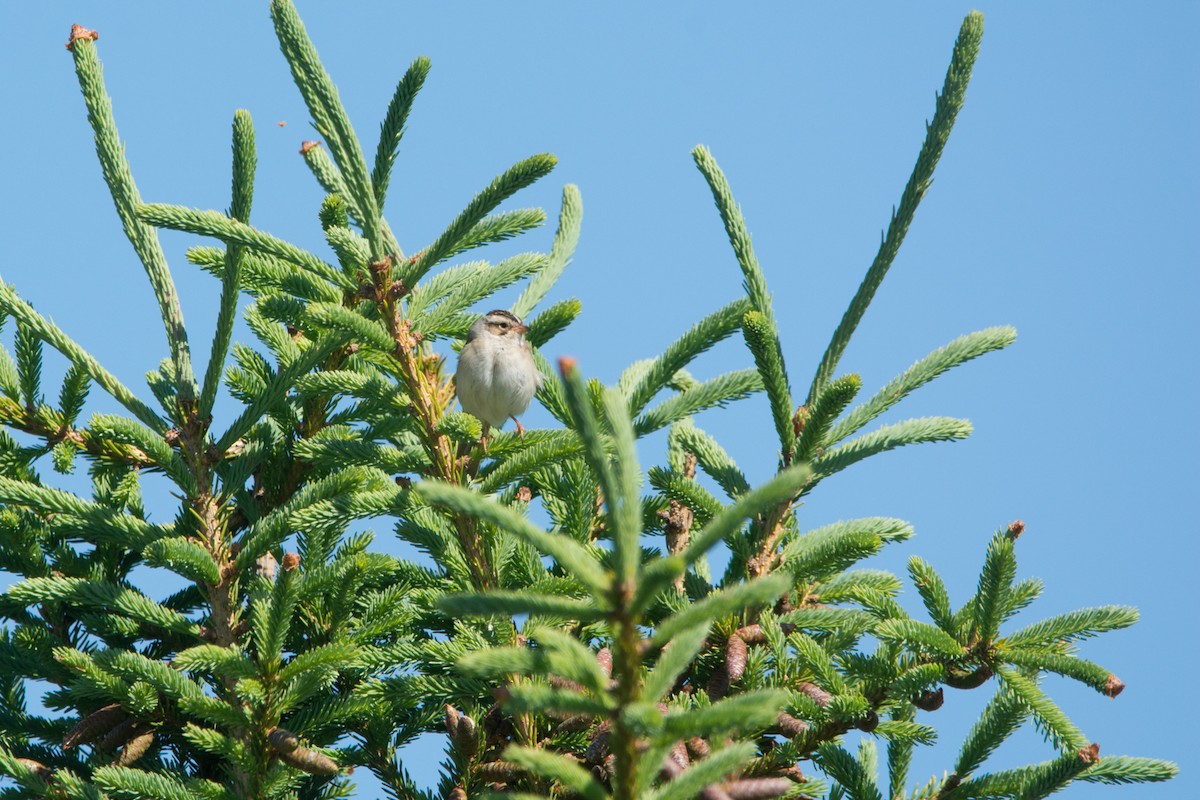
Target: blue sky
(1065, 205)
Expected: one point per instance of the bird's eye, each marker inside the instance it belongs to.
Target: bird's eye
(504, 325)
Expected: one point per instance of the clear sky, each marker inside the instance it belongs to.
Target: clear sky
(1066, 204)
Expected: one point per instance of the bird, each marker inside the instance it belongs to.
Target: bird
(496, 376)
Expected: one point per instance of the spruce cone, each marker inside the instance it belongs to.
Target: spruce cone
(134, 749)
(758, 788)
(735, 658)
(598, 749)
(604, 659)
(968, 680)
(462, 731)
(751, 634)
(283, 741)
(790, 726)
(310, 761)
(119, 734)
(93, 726)
(718, 682)
(499, 771)
(818, 695)
(930, 700)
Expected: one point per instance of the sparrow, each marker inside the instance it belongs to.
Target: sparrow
(496, 377)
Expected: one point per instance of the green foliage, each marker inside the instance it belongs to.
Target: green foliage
(562, 629)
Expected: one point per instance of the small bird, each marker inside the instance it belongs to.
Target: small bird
(496, 376)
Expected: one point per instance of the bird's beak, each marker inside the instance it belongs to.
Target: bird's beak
(522, 329)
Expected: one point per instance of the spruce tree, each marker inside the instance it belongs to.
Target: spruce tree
(567, 633)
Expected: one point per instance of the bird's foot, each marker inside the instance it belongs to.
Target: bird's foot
(520, 428)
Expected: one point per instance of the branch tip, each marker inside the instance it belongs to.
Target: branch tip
(79, 32)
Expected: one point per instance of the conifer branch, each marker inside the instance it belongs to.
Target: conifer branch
(244, 161)
(570, 218)
(50, 333)
(126, 199)
(392, 128)
(329, 117)
(937, 133)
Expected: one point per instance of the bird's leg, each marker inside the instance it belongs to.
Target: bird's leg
(520, 428)
(484, 437)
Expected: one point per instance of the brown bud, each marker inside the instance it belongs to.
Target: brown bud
(697, 747)
(282, 740)
(604, 659)
(308, 144)
(134, 749)
(79, 32)
(458, 793)
(1089, 754)
(818, 695)
(1015, 529)
(171, 437)
(310, 761)
(524, 495)
(759, 788)
(291, 561)
(1113, 686)
(403, 482)
(735, 658)
(94, 725)
(352, 348)
(397, 289)
(930, 700)
(868, 722)
(567, 364)
(282, 123)
(798, 420)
